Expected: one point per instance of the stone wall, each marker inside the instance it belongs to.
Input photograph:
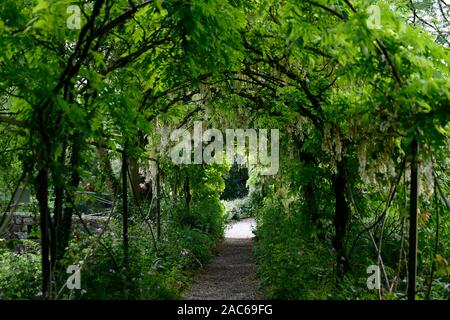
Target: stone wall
(21, 224)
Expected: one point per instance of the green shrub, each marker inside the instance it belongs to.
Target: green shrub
(152, 274)
(291, 265)
(238, 208)
(20, 273)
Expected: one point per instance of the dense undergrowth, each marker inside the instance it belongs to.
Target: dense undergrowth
(296, 255)
(155, 268)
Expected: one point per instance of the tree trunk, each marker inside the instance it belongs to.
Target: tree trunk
(309, 188)
(413, 206)
(311, 204)
(58, 210)
(125, 208)
(158, 201)
(187, 191)
(64, 230)
(134, 179)
(42, 197)
(341, 218)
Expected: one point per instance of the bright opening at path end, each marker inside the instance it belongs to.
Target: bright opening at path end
(241, 229)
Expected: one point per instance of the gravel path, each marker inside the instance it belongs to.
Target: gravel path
(232, 274)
